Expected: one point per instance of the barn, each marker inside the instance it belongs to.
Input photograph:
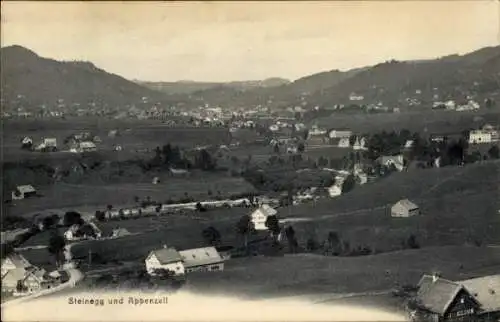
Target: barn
(22, 192)
(404, 208)
(439, 299)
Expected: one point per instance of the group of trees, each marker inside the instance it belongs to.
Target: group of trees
(172, 156)
(449, 151)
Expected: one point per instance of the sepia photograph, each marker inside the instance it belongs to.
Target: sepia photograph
(248, 161)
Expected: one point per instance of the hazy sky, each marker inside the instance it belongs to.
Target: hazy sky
(223, 41)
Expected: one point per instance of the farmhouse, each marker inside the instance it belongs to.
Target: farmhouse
(359, 144)
(404, 208)
(87, 146)
(22, 192)
(120, 232)
(35, 280)
(27, 141)
(259, 216)
(202, 259)
(338, 134)
(334, 191)
(165, 258)
(439, 299)
(480, 136)
(486, 290)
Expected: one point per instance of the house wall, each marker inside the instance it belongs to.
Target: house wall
(463, 308)
(259, 220)
(206, 268)
(32, 283)
(153, 263)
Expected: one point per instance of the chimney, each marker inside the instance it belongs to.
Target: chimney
(435, 277)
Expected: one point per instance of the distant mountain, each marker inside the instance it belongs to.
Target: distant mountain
(451, 77)
(390, 83)
(36, 80)
(188, 87)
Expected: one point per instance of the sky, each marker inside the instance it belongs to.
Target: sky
(226, 41)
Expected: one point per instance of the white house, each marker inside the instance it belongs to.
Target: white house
(409, 144)
(274, 128)
(404, 208)
(259, 216)
(344, 143)
(362, 178)
(26, 140)
(480, 136)
(355, 97)
(202, 259)
(337, 134)
(24, 191)
(87, 146)
(334, 191)
(165, 258)
(359, 144)
(70, 234)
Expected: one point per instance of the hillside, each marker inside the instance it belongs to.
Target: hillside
(29, 80)
(450, 77)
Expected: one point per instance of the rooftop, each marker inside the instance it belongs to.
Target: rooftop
(436, 294)
(200, 256)
(167, 255)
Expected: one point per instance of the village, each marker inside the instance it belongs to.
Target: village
(264, 225)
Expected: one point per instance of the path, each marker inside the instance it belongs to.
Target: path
(75, 276)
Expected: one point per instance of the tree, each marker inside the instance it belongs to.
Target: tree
(272, 223)
(50, 221)
(348, 184)
(200, 207)
(301, 147)
(312, 244)
(494, 152)
(244, 226)
(100, 215)
(211, 235)
(412, 243)
(276, 149)
(290, 237)
(72, 218)
(204, 161)
(136, 199)
(334, 243)
(109, 207)
(56, 246)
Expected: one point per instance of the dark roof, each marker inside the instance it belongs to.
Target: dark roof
(437, 295)
(167, 255)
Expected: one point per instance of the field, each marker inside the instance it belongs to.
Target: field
(458, 205)
(180, 231)
(293, 275)
(133, 135)
(91, 197)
